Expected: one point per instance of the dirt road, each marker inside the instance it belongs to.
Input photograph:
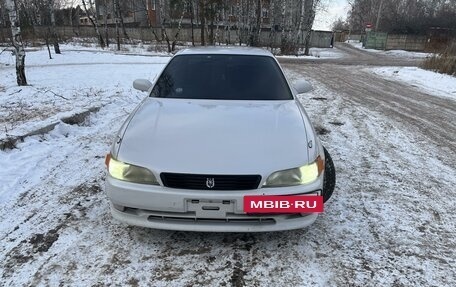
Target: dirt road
(433, 118)
(354, 56)
(390, 223)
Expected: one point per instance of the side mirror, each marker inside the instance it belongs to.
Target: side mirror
(302, 86)
(142, 85)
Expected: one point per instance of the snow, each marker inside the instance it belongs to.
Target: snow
(139, 48)
(393, 53)
(391, 221)
(433, 83)
(406, 54)
(69, 83)
(318, 53)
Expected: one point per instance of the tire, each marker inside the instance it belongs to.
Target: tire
(329, 180)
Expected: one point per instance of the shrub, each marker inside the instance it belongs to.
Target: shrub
(445, 62)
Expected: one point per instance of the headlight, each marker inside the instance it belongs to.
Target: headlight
(296, 176)
(127, 172)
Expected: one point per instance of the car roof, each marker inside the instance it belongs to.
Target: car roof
(225, 50)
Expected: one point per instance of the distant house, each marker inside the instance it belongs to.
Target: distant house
(84, 17)
(84, 21)
(135, 13)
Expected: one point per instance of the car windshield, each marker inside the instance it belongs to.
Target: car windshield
(222, 77)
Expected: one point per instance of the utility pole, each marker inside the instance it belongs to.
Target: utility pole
(378, 15)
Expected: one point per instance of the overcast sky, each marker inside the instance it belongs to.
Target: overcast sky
(331, 10)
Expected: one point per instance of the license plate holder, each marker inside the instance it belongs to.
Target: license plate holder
(210, 208)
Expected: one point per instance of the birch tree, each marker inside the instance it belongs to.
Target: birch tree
(286, 42)
(272, 32)
(55, 38)
(297, 18)
(179, 27)
(257, 30)
(163, 18)
(17, 42)
(310, 10)
(94, 21)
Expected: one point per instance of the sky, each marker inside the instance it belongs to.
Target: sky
(330, 11)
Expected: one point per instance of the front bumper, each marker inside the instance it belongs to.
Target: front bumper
(191, 210)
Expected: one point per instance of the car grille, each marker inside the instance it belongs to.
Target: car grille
(210, 182)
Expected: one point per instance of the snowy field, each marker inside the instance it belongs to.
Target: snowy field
(441, 85)
(390, 223)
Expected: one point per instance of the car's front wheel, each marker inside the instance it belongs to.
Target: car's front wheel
(329, 180)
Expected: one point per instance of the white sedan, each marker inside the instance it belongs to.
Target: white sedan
(218, 124)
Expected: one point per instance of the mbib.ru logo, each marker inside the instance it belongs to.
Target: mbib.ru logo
(283, 204)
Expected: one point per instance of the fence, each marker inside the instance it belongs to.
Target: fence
(406, 42)
(375, 40)
(321, 39)
(384, 41)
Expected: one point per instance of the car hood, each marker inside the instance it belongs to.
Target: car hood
(215, 137)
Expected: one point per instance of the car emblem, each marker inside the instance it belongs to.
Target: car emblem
(210, 182)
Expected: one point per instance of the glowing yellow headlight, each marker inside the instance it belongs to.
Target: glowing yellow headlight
(296, 176)
(127, 172)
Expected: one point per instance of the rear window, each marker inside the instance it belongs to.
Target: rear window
(222, 77)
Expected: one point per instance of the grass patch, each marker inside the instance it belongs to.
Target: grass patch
(445, 62)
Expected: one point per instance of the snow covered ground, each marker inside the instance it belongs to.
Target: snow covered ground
(390, 223)
(432, 82)
(69, 83)
(143, 48)
(392, 53)
(319, 53)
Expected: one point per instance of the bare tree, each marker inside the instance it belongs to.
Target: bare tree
(239, 21)
(179, 26)
(163, 19)
(402, 16)
(106, 22)
(116, 12)
(119, 14)
(287, 43)
(143, 6)
(202, 10)
(55, 38)
(73, 11)
(94, 21)
(310, 7)
(17, 42)
(190, 4)
(256, 35)
(71, 8)
(340, 25)
(46, 41)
